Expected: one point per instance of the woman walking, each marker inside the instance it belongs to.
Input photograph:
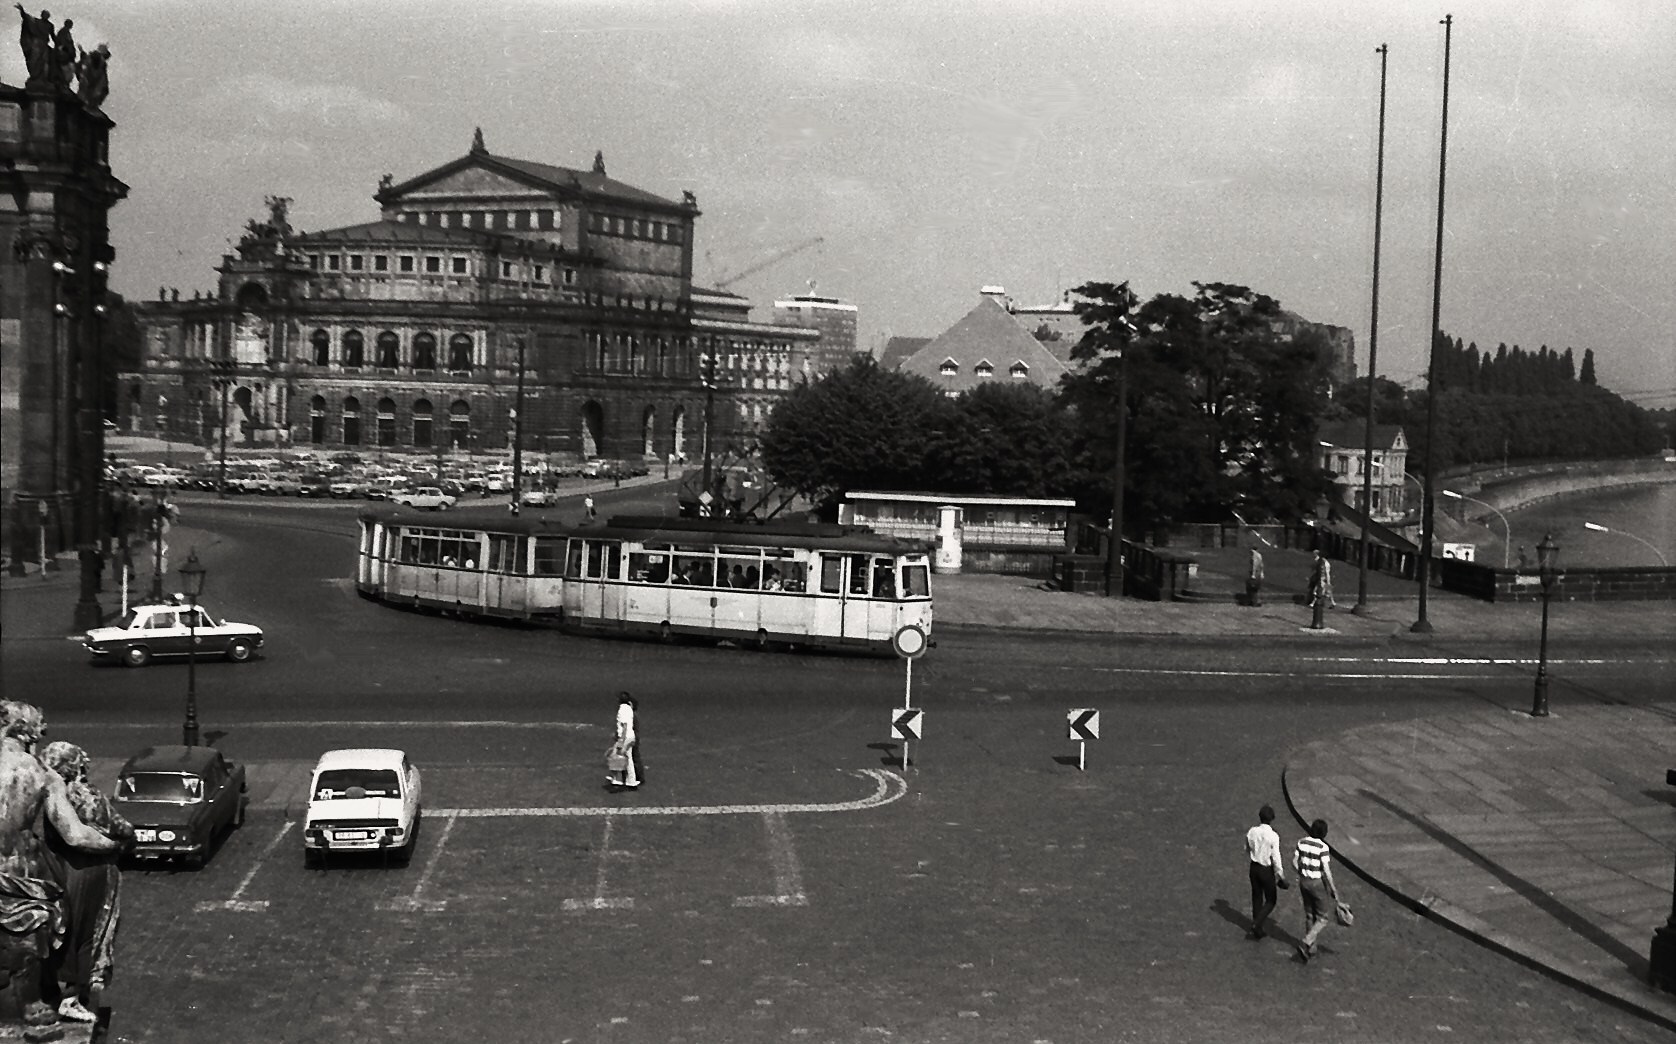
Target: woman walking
(628, 740)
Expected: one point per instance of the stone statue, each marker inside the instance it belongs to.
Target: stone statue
(477, 141)
(599, 161)
(35, 37)
(63, 55)
(385, 182)
(31, 908)
(93, 76)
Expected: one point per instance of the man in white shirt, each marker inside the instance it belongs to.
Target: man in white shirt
(1262, 849)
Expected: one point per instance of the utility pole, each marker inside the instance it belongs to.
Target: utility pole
(1361, 608)
(1114, 542)
(709, 378)
(1429, 501)
(518, 434)
(224, 379)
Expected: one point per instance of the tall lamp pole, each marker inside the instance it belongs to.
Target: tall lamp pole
(518, 434)
(223, 380)
(1429, 502)
(192, 579)
(1661, 971)
(1548, 562)
(1663, 561)
(1114, 542)
(1361, 608)
(1507, 530)
(158, 517)
(709, 378)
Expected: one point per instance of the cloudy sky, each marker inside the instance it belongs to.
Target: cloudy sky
(936, 146)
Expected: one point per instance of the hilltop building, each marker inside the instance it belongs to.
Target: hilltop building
(409, 332)
(985, 344)
(1341, 449)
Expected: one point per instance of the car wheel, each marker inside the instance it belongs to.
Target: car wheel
(442, 506)
(311, 858)
(239, 650)
(136, 656)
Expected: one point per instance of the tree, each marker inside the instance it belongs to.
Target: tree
(1587, 374)
(862, 427)
(1006, 439)
(1388, 400)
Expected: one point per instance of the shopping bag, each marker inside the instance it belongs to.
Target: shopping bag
(1345, 915)
(616, 760)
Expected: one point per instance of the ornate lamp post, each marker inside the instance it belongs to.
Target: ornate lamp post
(192, 579)
(1548, 560)
(1662, 970)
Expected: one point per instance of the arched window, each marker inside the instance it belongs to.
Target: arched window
(354, 349)
(459, 424)
(389, 350)
(386, 422)
(422, 422)
(317, 419)
(424, 351)
(459, 353)
(352, 421)
(322, 342)
(648, 426)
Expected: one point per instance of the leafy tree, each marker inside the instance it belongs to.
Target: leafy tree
(1388, 400)
(1587, 374)
(862, 427)
(1008, 439)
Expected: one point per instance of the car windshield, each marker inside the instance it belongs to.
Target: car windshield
(160, 786)
(336, 783)
(128, 619)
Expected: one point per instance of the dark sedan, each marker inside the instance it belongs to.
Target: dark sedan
(179, 800)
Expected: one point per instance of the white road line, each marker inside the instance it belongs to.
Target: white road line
(889, 787)
(323, 724)
(1188, 673)
(1513, 661)
(249, 905)
(599, 901)
(788, 874)
(417, 900)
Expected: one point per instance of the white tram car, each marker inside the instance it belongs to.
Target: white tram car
(801, 584)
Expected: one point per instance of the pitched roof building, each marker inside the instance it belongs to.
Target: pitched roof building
(986, 344)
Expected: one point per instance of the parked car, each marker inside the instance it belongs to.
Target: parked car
(167, 629)
(429, 497)
(539, 498)
(317, 487)
(345, 489)
(362, 800)
(179, 800)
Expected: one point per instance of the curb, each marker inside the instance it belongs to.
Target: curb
(1466, 924)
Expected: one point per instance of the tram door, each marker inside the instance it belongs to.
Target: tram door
(602, 573)
(844, 608)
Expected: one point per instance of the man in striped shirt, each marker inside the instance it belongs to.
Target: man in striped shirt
(1262, 848)
(1313, 861)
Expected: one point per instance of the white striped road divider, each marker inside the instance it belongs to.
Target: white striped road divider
(888, 787)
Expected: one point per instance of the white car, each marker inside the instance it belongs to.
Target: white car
(429, 497)
(171, 629)
(539, 498)
(362, 799)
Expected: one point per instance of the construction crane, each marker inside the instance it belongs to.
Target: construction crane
(772, 259)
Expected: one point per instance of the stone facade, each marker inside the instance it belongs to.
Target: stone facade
(407, 333)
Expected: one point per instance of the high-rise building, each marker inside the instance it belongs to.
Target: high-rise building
(836, 322)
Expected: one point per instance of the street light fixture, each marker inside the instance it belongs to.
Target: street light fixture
(1602, 529)
(1507, 530)
(1548, 562)
(192, 580)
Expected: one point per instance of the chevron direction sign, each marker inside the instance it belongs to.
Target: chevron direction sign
(1083, 723)
(905, 723)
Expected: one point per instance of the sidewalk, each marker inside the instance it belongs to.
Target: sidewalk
(1550, 839)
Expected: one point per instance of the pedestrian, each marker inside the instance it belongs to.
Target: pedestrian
(588, 505)
(1313, 861)
(628, 740)
(1254, 578)
(1321, 581)
(1267, 872)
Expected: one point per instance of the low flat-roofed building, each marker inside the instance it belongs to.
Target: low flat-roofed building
(973, 532)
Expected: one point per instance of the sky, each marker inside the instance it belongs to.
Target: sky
(935, 147)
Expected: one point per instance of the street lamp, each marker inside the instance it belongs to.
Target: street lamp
(1548, 560)
(1602, 529)
(192, 580)
(1507, 530)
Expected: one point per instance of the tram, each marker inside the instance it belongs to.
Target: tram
(806, 585)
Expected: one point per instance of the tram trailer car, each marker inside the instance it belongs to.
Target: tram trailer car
(780, 583)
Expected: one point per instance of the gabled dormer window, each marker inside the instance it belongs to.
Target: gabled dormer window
(949, 368)
(1019, 371)
(984, 369)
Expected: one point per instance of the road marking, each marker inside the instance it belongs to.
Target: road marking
(788, 873)
(249, 905)
(417, 901)
(1456, 661)
(315, 723)
(889, 787)
(1191, 673)
(599, 901)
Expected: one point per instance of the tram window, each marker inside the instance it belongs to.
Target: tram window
(695, 570)
(410, 550)
(596, 558)
(548, 557)
(832, 573)
(741, 573)
(796, 576)
(573, 561)
(504, 556)
(916, 582)
(884, 578)
(858, 574)
(613, 561)
(649, 566)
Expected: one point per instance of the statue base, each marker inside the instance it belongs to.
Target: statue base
(62, 1032)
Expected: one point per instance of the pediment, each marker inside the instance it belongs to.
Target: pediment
(474, 181)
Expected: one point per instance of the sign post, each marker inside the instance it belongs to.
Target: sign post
(910, 644)
(905, 725)
(1082, 724)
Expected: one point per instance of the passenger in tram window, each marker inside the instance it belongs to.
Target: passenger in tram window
(448, 560)
(858, 574)
(770, 579)
(751, 578)
(884, 579)
(737, 577)
(470, 564)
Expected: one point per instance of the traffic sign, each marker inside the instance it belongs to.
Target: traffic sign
(905, 723)
(1083, 723)
(909, 641)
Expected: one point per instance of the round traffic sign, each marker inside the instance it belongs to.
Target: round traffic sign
(909, 642)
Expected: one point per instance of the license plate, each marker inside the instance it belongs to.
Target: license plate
(352, 835)
(145, 835)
